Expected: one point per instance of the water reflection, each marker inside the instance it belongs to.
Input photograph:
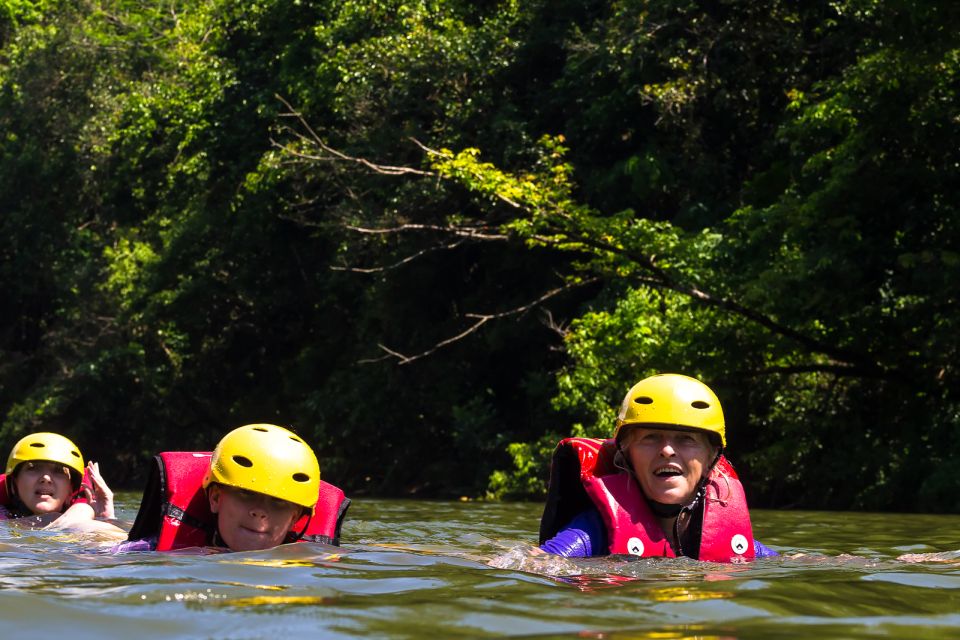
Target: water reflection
(415, 569)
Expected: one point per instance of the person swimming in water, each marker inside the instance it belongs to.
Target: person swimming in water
(259, 488)
(46, 477)
(660, 487)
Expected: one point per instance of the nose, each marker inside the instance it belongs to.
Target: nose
(666, 448)
(258, 508)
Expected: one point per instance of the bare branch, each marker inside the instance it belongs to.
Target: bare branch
(474, 232)
(390, 354)
(407, 259)
(552, 324)
(332, 154)
(480, 320)
(428, 150)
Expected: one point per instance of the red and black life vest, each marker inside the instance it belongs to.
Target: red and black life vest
(175, 508)
(582, 475)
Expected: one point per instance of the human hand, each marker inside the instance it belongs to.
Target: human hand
(100, 495)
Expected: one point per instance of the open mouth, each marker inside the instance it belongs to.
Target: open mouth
(668, 471)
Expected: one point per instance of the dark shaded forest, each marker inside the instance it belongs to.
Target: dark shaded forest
(435, 236)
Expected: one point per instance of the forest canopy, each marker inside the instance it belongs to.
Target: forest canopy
(436, 236)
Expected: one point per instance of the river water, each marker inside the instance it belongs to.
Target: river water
(413, 569)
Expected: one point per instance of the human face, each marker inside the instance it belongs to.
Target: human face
(42, 486)
(248, 521)
(668, 464)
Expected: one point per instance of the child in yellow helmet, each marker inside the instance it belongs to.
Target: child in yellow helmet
(259, 488)
(45, 477)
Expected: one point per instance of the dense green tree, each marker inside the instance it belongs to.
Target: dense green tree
(435, 236)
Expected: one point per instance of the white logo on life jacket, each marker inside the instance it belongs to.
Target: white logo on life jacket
(739, 544)
(635, 546)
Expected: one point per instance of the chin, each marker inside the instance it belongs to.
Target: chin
(44, 507)
(673, 498)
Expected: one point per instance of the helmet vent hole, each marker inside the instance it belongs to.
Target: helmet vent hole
(643, 400)
(700, 404)
(301, 477)
(242, 461)
(38, 445)
(296, 439)
(75, 454)
(260, 429)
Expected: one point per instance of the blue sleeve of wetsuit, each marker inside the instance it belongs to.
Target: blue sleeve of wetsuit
(760, 550)
(583, 537)
(135, 546)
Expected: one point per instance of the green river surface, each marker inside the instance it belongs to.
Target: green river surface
(413, 569)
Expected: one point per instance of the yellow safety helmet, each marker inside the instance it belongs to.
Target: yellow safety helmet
(267, 459)
(48, 447)
(672, 401)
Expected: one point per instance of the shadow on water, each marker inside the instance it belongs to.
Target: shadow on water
(468, 570)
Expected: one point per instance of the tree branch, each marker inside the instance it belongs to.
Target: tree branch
(662, 280)
(658, 278)
(479, 321)
(466, 231)
(403, 261)
(332, 154)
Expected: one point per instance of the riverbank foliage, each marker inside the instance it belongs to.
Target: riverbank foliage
(435, 236)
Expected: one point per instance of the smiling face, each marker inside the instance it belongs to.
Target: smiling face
(249, 521)
(668, 464)
(42, 486)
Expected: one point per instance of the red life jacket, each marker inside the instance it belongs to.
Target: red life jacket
(5, 497)
(726, 533)
(175, 508)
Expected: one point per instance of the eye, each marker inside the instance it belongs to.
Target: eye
(279, 504)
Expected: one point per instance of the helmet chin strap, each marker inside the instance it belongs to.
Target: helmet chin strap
(663, 509)
(299, 536)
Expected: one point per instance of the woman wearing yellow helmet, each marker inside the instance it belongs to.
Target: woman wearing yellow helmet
(259, 488)
(45, 475)
(659, 487)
